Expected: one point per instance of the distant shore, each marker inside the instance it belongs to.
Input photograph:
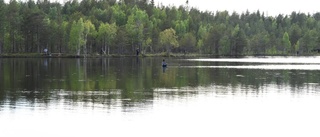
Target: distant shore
(62, 55)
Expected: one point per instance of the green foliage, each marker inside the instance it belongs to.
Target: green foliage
(2, 24)
(309, 41)
(213, 37)
(89, 33)
(238, 42)
(107, 33)
(121, 27)
(295, 34)
(286, 43)
(146, 44)
(225, 45)
(168, 39)
(259, 43)
(122, 41)
(188, 43)
(136, 25)
(118, 15)
(181, 27)
(14, 20)
(297, 47)
(76, 36)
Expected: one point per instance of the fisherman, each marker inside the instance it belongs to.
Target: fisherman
(137, 51)
(164, 64)
(45, 51)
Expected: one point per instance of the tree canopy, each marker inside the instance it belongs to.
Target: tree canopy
(121, 27)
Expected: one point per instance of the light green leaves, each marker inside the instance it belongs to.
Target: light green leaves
(107, 34)
(168, 39)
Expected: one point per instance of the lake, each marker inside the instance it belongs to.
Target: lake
(129, 96)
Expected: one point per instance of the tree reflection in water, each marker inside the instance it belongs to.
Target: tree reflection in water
(136, 82)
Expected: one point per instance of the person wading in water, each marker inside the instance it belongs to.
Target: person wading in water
(164, 64)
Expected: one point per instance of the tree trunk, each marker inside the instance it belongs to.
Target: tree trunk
(78, 50)
(13, 43)
(85, 44)
(168, 49)
(38, 41)
(108, 50)
(132, 47)
(105, 48)
(1, 45)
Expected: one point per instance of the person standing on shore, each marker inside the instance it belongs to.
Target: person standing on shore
(137, 51)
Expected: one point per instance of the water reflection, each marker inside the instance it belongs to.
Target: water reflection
(272, 59)
(133, 96)
(134, 83)
(270, 67)
(164, 69)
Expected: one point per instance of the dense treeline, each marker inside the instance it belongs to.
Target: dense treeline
(111, 27)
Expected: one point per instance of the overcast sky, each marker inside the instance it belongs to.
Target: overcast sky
(269, 7)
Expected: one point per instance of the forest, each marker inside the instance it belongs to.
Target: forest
(110, 27)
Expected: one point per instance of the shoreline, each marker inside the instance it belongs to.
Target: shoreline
(62, 55)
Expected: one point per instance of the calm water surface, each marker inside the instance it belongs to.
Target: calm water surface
(265, 96)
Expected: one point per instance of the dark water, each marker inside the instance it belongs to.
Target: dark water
(270, 96)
